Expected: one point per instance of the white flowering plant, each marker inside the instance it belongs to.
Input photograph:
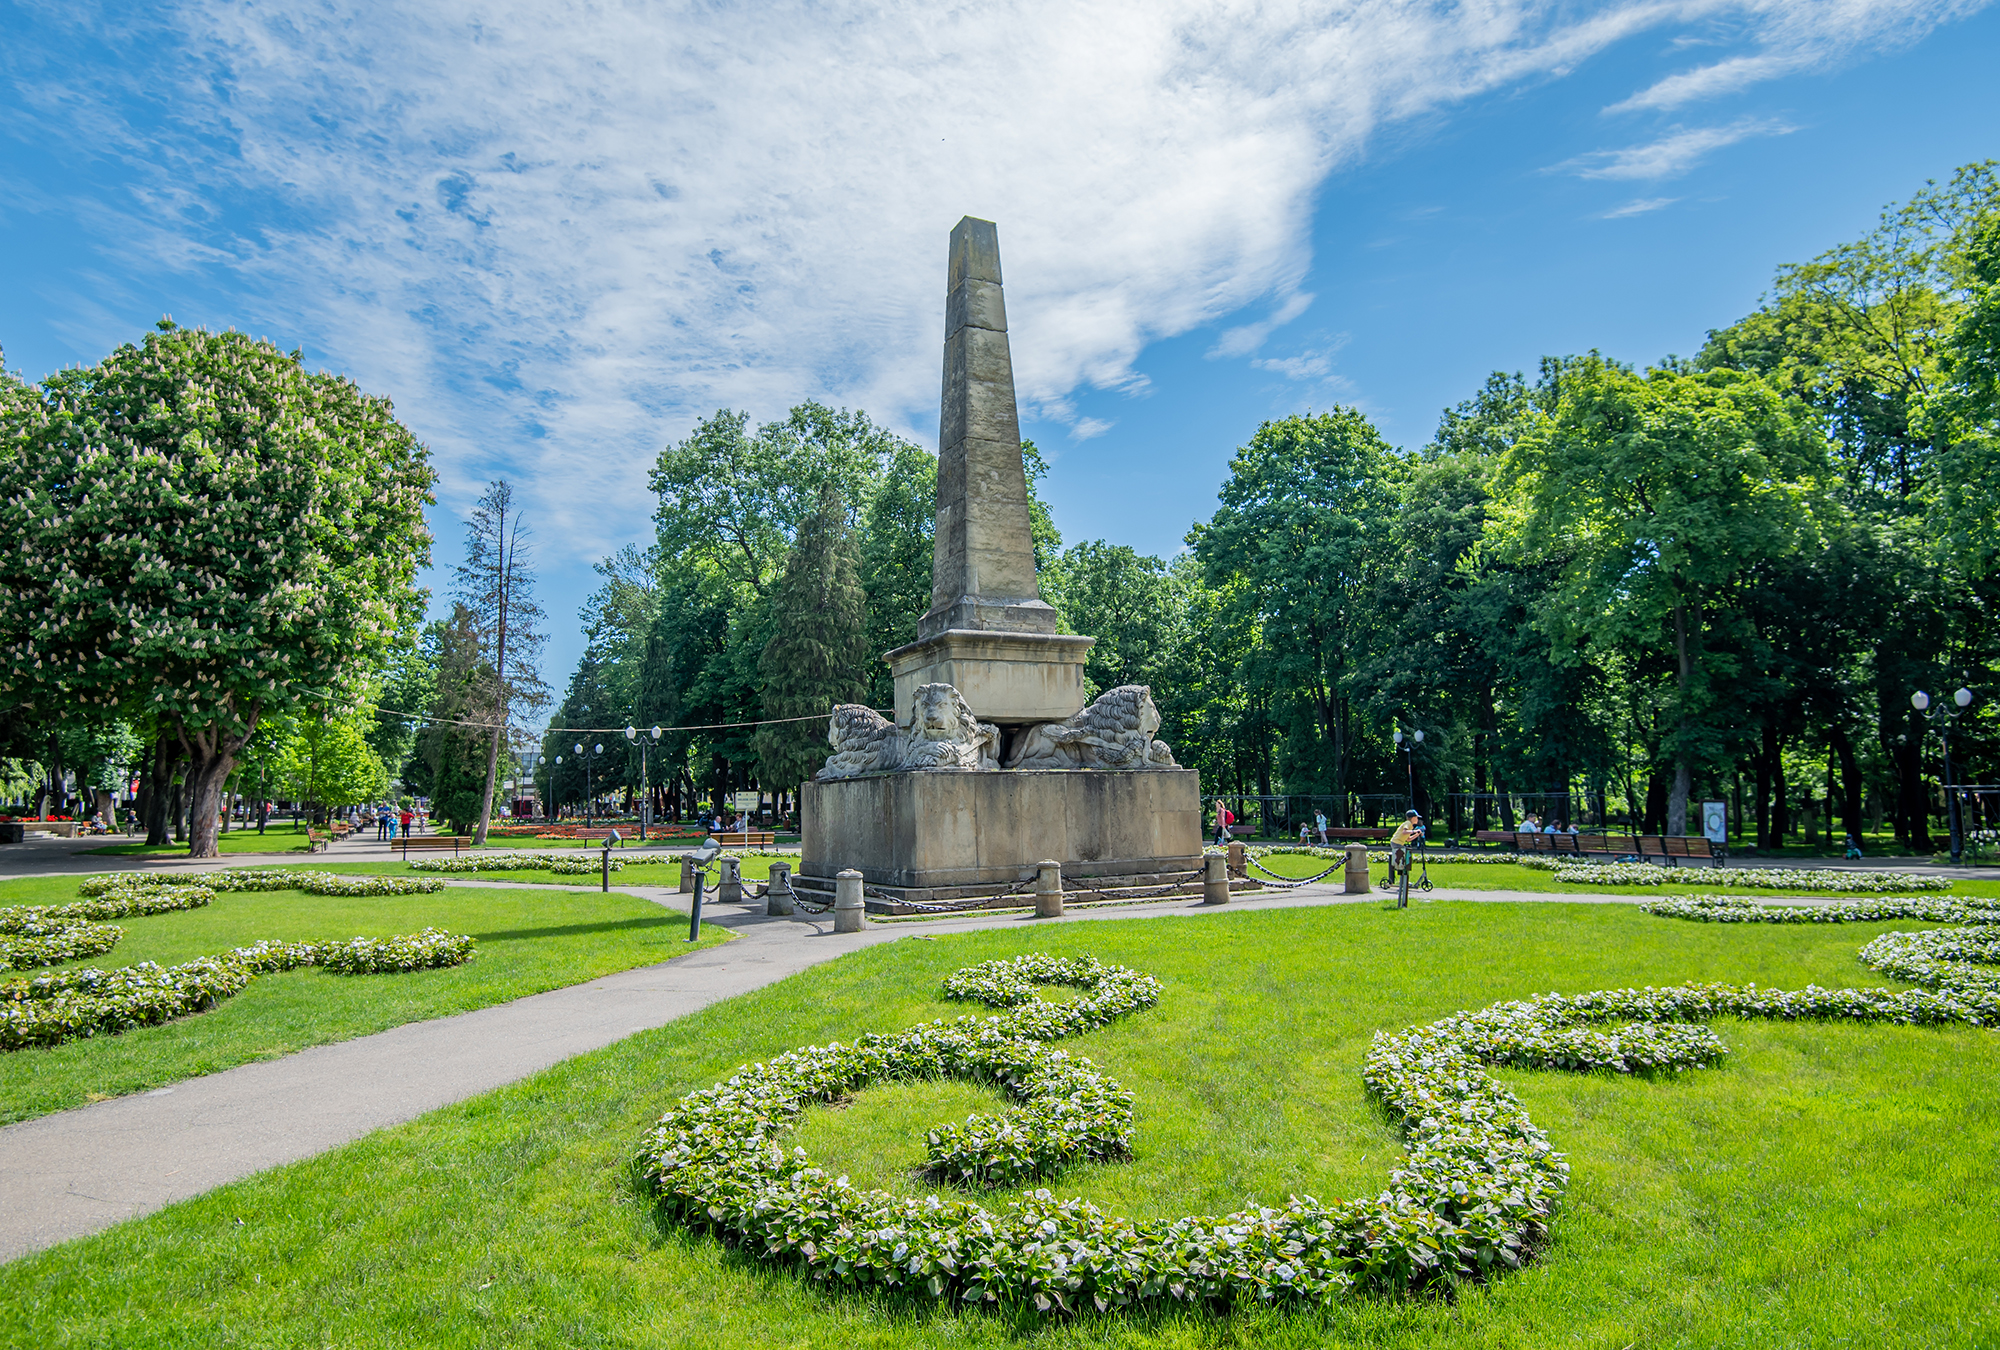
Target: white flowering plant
(49, 1009)
(1834, 880)
(1471, 1199)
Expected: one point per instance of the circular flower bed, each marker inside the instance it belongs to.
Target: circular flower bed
(1831, 880)
(1471, 1198)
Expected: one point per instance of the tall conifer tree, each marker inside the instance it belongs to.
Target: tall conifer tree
(818, 654)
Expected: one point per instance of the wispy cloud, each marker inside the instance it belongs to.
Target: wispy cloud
(1795, 38)
(1638, 206)
(1671, 155)
(557, 234)
(1247, 338)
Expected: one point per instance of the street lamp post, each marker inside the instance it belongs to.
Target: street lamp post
(555, 792)
(589, 795)
(645, 787)
(1946, 719)
(1409, 761)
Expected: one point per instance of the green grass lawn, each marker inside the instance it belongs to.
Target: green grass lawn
(1827, 1185)
(1511, 876)
(528, 941)
(277, 838)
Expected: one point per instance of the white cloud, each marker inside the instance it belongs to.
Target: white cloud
(1249, 337)
(558, 233)
(1672, 155)
(1638, 206)
(1087, 427)
(1799, 36)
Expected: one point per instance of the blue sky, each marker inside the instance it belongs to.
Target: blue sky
(558, 236)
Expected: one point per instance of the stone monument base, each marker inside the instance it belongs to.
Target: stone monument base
(937, 835)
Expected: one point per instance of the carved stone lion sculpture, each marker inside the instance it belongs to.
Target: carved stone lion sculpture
(942, 732)
(1116, 732)
(863, 741)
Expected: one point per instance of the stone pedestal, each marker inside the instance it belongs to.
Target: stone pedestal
(1008, 678)
(951, 829)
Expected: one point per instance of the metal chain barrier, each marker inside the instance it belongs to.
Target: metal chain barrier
(954, 906)
(1285, 883)
(1170, 888)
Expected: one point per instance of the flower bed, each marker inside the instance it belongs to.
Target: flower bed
(48, 1009)
(1472, 1197)
(312, 883)
(1825, 880)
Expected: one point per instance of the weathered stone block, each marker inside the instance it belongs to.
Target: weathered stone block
(961, 828)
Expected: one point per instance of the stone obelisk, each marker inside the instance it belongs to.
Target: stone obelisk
(988, 632)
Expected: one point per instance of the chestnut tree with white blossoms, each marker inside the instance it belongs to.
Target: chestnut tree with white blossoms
(198, 532)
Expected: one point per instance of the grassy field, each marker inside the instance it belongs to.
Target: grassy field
(1828, 1185)
(277, 838)
(528, 941)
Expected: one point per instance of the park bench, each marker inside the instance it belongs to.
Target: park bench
(757, 839)
(1687, 846)
(1360, 832)
(432, 843)
(606, 833)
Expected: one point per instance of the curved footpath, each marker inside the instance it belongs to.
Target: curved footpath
(75, 1172)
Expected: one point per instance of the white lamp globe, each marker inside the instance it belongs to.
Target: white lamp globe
(1420, 736)
(1920, 700)
(631, 733)
(1963, 698)
(1399, 735)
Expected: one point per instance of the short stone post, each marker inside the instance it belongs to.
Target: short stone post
(848, 911)
(1214, 879)
(1048, 889)
(1239, 861)
(730, 889)
(687, 875)
(1357, 869)
(778, 895)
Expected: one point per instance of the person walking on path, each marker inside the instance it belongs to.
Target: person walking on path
(1319, 823)
(403, 819)
(1224, 818)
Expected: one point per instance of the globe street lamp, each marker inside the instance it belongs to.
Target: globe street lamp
(555, 793)
(645, 788)
(1946, 719)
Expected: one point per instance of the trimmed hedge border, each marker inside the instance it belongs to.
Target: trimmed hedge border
(50, 1009)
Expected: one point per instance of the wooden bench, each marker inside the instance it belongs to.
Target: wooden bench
(601, 834)
(1688, 846)
(758, 839)
(432, 843)
(1360, 832)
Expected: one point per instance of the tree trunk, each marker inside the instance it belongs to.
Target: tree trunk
(211, 753)
(1781, 816)
(1850, 783)
(492, 777)
(1677, 798)
(157, 790)
(58, 799)
(1656, 805)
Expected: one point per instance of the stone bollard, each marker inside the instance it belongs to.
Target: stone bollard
(1048, 889)
(1357, 869)
(778, 895)
(687, 876)
(1239, 861)
(848, 911)
(730, 889)
(1214, 879)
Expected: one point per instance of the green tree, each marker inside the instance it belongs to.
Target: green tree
(198, 531)
(327, 761)
(1658, 495)
(1303, 529)
(1963, 414)
(897, 541)
(817, 655)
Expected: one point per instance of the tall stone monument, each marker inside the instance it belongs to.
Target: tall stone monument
(988, 634)
(993, 762)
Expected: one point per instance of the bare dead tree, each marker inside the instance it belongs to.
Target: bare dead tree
(496, 584)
